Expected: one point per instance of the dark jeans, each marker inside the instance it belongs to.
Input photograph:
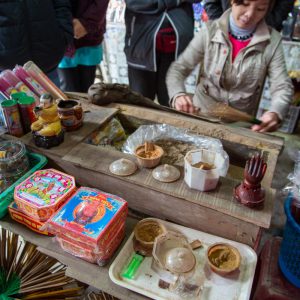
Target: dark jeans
(77, 79)
(151, 84)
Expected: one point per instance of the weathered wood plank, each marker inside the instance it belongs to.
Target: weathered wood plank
(232, 137)
(164, 206)
(94, 116)
(220, 199)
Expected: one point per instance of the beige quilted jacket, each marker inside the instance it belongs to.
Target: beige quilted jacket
(237, 83)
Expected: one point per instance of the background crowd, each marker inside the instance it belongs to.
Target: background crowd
(65, 38)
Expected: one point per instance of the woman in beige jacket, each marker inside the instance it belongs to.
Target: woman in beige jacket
(235, 53)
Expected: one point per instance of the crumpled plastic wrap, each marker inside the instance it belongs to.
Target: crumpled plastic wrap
(164, 132)
(294, 177)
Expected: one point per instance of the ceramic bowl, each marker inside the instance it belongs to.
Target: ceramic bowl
(223, 258)
(148, 162)
(145, 233)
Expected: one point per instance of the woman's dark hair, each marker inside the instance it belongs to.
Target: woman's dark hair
(241, 2)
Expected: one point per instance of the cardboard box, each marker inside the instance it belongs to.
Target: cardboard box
(91, 224)
(41, 194)
(28, 221)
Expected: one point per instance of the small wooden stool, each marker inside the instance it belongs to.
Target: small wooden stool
(270, 282)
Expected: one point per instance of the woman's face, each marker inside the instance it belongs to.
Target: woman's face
(249, 14)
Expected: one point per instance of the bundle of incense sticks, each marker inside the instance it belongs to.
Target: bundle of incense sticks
(225, 112)
(34, 71)
(26, 273)
(99, 296)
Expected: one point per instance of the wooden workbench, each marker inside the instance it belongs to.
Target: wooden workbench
(213, 212)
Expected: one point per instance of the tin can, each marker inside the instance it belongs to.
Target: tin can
(12, 117)
(26, 106)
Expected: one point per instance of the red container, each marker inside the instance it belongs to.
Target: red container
(271, 284)
(12, 117)
(90, 225)
(27, 105)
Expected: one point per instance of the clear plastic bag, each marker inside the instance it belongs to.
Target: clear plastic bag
(174, 141)
(110, 134)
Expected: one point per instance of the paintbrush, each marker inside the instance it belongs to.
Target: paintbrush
(26, 273)
(225, 112)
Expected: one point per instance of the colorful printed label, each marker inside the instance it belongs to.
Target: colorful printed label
(45, 188)
(88, 212)
(37, 87)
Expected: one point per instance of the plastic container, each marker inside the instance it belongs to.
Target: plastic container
(90, 225)
(29, 81)
(42, 194)
(36, 73)
(289, 256)
(206, 178)
(26, 108)
(13, 162)
(36, 161)
(14, 81)
(6, 88)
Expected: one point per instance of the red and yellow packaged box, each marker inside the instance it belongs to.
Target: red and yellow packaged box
(91, 224)
(41, 194)
(28, 221)
(93, 255)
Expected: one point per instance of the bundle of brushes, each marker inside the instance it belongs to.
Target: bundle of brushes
(225, 112)
(99, 296)
(26, 273)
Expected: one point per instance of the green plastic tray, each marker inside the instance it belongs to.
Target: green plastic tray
(36, 161)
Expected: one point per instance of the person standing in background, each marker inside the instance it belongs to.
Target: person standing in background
(277, 14)
(35, 30)
(235, 53)
(77, 69)
(157, 31)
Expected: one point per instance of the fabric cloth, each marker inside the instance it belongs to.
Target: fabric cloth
(53, 76)
(143, 19)
(237, 46)
(77, 79)
(239, 32)
(151, 84)
(237, 83)
(85, 56)
(34, 30)
(92, 15)
(277, 14)
(166, 40)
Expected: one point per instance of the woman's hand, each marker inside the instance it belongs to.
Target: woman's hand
(79, 29)
(270, 122)
(185, 103)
